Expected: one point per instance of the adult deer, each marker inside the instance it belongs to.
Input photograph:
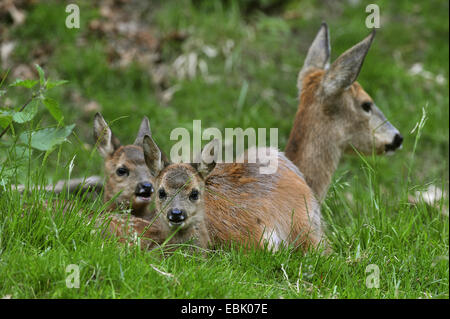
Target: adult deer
(335, 115)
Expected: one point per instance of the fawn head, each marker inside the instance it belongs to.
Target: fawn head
(331, 94)
(179, 187)
(125, 168)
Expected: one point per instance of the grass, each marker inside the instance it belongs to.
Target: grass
(369, 220)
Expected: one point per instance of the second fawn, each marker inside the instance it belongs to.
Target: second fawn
(238, 202)
(127, 176)
(335, 115)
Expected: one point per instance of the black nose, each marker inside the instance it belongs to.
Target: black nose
(176, 215)
(396, 143)
(144, 189)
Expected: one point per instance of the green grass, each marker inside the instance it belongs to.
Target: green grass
(366, 212)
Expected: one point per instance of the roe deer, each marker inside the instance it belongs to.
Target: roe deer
(125, 169)
(335, 114)
(180, 197)
(240, 203)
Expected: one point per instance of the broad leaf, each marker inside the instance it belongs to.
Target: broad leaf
(5, 118)
(27, 114)
(47, 138)
(53, 107)
(52, 84)
(25, 83)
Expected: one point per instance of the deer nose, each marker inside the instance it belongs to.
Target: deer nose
(176, 215)
(396, 143)
(144, 189)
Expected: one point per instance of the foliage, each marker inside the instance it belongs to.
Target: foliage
(33, 137)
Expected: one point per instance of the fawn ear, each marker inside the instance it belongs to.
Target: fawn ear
(208, 159)
(153, 156)
(345, 70)
(105, 141)
(318, 56)
(144, 129)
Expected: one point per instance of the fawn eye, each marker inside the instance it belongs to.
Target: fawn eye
(193, 196)
(162, 193)
(367, 106)
(121, 171)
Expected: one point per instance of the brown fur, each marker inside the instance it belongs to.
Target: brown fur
(247, 207)
(131, 229)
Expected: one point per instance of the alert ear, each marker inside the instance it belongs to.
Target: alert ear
(154, 158)
(105, 141)
(144, 129)
(345, 70)
(318, 56)
(208, 159)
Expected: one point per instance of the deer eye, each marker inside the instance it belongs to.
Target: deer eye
(193, 196)
(162, 193)
(121, 171)
(367, 106)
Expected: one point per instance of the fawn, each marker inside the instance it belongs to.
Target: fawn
(237, 202)
(125, 169)
(335, 115)
(179, 201)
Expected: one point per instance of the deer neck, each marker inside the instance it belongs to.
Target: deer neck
(315, 151)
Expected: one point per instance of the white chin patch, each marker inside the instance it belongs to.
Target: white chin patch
(142, 200)
(390, 153)
(176, 225)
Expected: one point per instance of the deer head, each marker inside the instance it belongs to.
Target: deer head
(125, 168)
(348, 110)
(179, 187)
(335, 114)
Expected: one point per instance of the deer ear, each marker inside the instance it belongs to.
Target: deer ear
(345, 70)
(153, 156)
(144, 129)
(105, 141)
(318, 56)
(208, 158)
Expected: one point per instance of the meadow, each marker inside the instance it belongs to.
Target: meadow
(230, 64)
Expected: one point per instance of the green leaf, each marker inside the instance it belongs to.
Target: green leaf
(5, 118)
(25, 83)
(41, 75)
(47, 138)
(52, 84)
(53, 107)
(27, 114)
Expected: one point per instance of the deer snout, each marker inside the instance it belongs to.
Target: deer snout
(176, 216)
(144, 189)
(396, 143)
